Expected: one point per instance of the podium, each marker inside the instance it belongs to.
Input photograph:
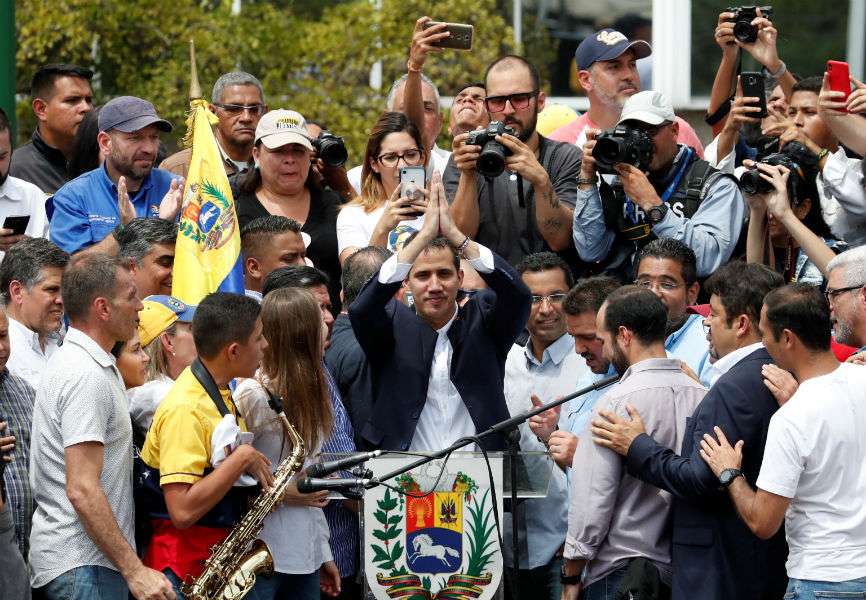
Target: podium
(431, 533)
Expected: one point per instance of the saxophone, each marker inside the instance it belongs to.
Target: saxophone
(230, 572)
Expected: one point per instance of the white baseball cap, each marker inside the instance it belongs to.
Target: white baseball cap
(280, 127)
(648, 107)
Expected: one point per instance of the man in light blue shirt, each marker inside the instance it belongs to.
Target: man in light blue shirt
(87, 209)
(545, 369)
(580, 307)
(667, 267)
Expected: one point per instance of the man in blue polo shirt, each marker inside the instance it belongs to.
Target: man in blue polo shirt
(87, 209)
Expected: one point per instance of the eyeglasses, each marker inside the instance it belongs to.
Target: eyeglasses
(410, 157)
(552, 298)
(832, 294)
(518, 101)
(236, 109)
(664, 286)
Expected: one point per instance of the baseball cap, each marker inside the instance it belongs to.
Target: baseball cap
(280, 127)
(128, 114)
(160, 313)
(648, 107)
(607, 44)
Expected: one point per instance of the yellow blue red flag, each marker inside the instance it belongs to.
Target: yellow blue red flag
(208, 253)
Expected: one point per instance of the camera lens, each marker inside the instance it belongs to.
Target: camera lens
(491, 161)
(331, 150)
(752, 183)
(745, 32)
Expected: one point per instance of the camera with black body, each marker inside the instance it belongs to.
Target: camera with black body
(803, 164)
(622, 144)
(743, 17)
(491, 161)
(331, 149)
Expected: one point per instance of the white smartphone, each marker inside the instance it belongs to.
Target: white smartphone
(412, 179)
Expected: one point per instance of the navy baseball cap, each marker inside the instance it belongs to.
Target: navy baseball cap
(128, 114)
(607, 44)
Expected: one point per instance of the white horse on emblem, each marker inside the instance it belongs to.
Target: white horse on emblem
(424, 546)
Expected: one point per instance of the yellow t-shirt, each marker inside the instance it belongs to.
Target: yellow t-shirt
(179, 440)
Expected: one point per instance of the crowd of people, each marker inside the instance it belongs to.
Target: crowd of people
(724, 284)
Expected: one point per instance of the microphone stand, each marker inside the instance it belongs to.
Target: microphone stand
(506, 426)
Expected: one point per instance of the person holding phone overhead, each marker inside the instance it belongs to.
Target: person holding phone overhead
(369, 219)
(22, 204)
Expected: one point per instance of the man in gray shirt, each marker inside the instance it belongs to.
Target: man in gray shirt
(614, 518)
(82, 540)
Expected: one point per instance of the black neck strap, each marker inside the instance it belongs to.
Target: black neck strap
(206, 380)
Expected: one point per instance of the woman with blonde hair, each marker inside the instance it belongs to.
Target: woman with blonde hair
(292, 371)
(369, 219)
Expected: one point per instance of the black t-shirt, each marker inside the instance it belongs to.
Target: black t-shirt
(321, 225)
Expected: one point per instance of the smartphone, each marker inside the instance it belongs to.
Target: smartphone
(412, 179)
(460, 38)
(837, 73)
(753, 84)
(18, 225)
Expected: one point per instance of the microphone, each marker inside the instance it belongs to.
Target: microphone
(326, 468)
(308, 484)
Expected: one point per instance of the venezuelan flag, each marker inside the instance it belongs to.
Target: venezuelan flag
(208, 252)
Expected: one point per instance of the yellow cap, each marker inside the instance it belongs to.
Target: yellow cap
(158, 314)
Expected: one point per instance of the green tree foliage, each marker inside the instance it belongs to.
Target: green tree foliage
(314, 57)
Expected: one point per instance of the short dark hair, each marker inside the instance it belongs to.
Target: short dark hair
(259, 231)
(545, 261)
(86, 278)
(464, 86)
(25, 260)
(809, 84)
(589, 294)
(670, 248)
(439, 243)
(138, 237)
(85, 155)
(741, 288)
(42, 84)
(802, 309)
(221, 319)
(514, 58)
(297, 276)
(4, 122)
(359, 268)
(638, 310)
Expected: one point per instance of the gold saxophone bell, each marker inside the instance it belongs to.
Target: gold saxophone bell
(257, 560)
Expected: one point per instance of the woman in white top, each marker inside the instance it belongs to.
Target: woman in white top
(369, 219)
(296, 532)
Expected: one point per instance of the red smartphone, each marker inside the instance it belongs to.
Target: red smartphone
(837, 73)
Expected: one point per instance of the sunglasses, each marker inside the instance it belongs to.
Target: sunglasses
(518, 101)
(236, 109)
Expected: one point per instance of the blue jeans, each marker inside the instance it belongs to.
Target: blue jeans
(802, 589)
(282, 586)
(89, 582)
(605, 588)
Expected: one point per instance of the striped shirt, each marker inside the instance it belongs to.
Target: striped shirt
(16, 408)
(342, 522)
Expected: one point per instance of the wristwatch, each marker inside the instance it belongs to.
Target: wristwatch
(568, 579)
(657, 213)
(726, 477)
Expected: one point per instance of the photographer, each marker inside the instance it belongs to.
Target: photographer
(675, 194)
(527, 207)
(329, 160)
(786, 230)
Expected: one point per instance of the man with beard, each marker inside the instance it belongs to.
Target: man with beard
(667, 268)
(613, 517)
(528, 207)
(846, 278)
(581, 306)
(18, 198)
(125, 186)
(607, 70)
(677, 194)
(736, 564)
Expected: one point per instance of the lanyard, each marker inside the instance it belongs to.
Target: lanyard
(631, 209)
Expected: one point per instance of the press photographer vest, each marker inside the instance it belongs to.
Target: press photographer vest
(631, 236)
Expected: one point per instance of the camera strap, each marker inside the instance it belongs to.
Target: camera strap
(631, 207)
(206, 380)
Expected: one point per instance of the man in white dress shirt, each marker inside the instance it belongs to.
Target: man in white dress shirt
(30, 276)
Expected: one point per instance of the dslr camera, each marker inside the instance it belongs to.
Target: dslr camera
(622, 144)
(803, 164)
(743, 17)
(491, 161)
(331, 149)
